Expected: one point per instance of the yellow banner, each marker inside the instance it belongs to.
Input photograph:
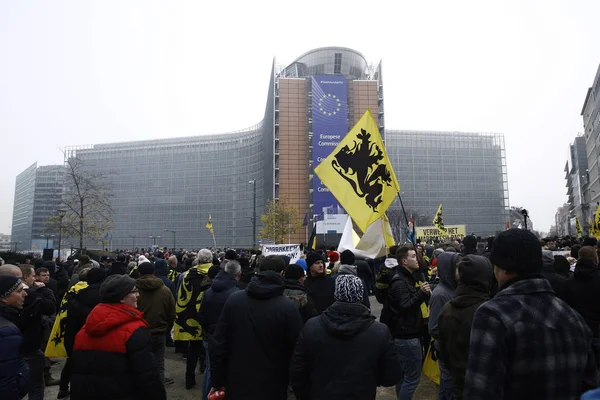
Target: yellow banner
(431, 232)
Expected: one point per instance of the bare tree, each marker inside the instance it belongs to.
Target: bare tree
(279, 221)
(87, 201)
(398, 222)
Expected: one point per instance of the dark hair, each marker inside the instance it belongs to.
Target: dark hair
(562, 266)
(402, 253)
(575, 251)
(42, 270)
(588, 253)
(26, 269)
(272, 263)
(394, 250)
(84, 260)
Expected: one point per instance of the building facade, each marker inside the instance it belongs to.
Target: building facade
(576, 175)
(38, 192)
(169, 187)
(591, 125)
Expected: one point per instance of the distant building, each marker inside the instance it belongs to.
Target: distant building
(562, 221)
(175, 184)
(591, 125)
(576, 174)
(5, 242)
(38, 192)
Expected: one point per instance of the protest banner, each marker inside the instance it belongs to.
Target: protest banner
(428, 233)
(290, 250)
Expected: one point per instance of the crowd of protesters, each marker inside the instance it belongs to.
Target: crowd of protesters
(513, 318)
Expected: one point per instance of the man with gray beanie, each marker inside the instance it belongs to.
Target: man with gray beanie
(344, 345)
(525, 342)
(112, 356)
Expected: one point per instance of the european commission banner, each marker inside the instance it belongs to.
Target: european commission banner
(329, 125)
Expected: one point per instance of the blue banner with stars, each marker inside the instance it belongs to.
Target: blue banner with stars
(329, 126)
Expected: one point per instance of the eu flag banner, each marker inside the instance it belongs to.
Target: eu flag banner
(359, 173)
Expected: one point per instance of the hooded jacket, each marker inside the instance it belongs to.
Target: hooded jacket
(296, 292)
(162, 272)
(39, 302)
(254, 340)
(444, 291)
(344, 354)
(557, 281)
(156, 303)
(112, 357)
(14, 373)
(582, 293)
(215, 297)
(79, 306)
(456, 318)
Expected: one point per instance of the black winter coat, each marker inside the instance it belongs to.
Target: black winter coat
(79, 306)
(402, 309)
(582, 293)
(214, 300)
(320, 289)
(344, 354)
(296, 292)
(254, 341)
(39, 302)
(14, 372)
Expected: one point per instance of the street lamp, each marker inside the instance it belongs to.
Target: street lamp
(253, 183)
(174, 233)
(133, 242)
(61, 214)
(154, 239)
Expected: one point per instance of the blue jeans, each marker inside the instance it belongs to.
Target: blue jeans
(446, 388)
(206, 383)
(411, 358)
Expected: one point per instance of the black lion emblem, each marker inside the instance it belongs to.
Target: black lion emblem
(360, 166)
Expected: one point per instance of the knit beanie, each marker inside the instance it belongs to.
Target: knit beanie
(347, 257)
(294, 271)
(334, 256)
(115, 288)
(230, 255)
(8, 284)
(312, 258)
(302, 262)
(348, 289)
(146, 268)
(517, 250)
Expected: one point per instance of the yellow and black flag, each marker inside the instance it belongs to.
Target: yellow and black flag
(359, 173)
(438, 221)
(209, 224)
(312, 241)
(578, 227)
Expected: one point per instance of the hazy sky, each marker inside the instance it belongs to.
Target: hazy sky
(85, 72)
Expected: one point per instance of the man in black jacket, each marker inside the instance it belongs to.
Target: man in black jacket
(344, 345)
(582, 293)
(455, 320)
(319, 286)
(224, 285)
(402, 314)
(255, 338)
(296, 292)
(40, 301)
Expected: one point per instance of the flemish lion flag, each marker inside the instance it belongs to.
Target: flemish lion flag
(438, 221)
(209, 223)
(359, 173)
(578, 227)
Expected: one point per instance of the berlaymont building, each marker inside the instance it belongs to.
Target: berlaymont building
(175, 184)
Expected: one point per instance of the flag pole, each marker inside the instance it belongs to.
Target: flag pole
(406, 218)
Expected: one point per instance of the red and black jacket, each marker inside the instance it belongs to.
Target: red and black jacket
(112, 357)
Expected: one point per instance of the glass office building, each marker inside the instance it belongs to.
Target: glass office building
(466, 172)
(38, 191)
(167, 185)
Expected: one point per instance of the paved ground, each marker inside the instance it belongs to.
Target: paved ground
(175, 368)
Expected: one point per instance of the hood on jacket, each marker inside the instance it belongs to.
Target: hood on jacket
(585, 269)
(294, 284)
(223, 281)
(149, 283)
(346, 269)
(266, 285)
(346, 319)
(547, 262)
(446, 266)
(161, 267)
(475, 272)
(106, 317)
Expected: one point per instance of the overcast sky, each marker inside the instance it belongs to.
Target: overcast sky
(85, 72)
